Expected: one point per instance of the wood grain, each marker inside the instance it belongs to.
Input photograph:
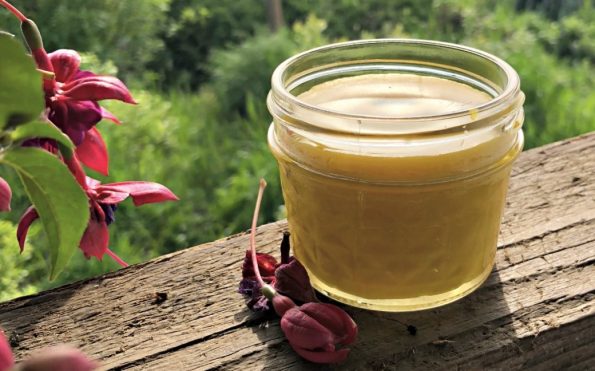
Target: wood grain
(535, 311)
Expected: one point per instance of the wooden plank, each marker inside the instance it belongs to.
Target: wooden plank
(535, 311)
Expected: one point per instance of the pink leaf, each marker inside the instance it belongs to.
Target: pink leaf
(27, 219)
(97, 88)
(93, 153)
(6, 357)
(141, 192)
(5, 195)
(109, 116)
(95, 241)
(66, 63)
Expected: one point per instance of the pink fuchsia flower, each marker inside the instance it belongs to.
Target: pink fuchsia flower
(288, 277)
(6, 357)
(72, 103)
(5, 195)
(103, 201)
(71, 95)
(60, 358)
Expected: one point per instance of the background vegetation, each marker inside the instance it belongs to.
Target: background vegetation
(200, 70)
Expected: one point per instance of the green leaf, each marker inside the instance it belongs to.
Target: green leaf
(21, 95)
(59, 200)
(41, 129)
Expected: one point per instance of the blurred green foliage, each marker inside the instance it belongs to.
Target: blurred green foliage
(16, 278)
(125, 32)
(202, 70)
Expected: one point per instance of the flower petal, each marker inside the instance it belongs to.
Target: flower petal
(93, 153)
(6, 357)
(141, 192)
(5, 195)
(112, 197)
(60, 358)
(95, 241)
(97, 88)
(292, 280)
(66, 63)
(321, 356)
(304, 331)
(83, 114)
(75, 118)
(109, 116)
(27, 219)
(266, 265)
(333, 318)
(92, 183)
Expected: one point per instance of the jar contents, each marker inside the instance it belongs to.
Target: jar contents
(395, 223)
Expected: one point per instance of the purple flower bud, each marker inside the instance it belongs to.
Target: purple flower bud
(5, 195)
(315, 329)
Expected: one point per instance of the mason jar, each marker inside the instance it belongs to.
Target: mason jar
(394, 157)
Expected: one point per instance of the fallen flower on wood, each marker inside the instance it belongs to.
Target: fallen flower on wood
(314, 329)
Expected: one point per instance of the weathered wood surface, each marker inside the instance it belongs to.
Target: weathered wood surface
(536, 311)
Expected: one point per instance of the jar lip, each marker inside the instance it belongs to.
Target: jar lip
(279, 91)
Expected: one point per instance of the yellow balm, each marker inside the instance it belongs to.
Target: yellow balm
(395, 171)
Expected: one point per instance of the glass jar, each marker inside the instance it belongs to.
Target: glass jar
(394, 158)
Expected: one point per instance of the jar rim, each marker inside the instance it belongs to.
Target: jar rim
(509, 96)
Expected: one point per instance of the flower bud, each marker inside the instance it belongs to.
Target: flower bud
(314, 329)
(282, 304)
(31, 34)
(34, 41)
(5, 195)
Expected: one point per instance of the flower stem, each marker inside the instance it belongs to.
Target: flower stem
(13, 10)
(118, 260)
(261, 188)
